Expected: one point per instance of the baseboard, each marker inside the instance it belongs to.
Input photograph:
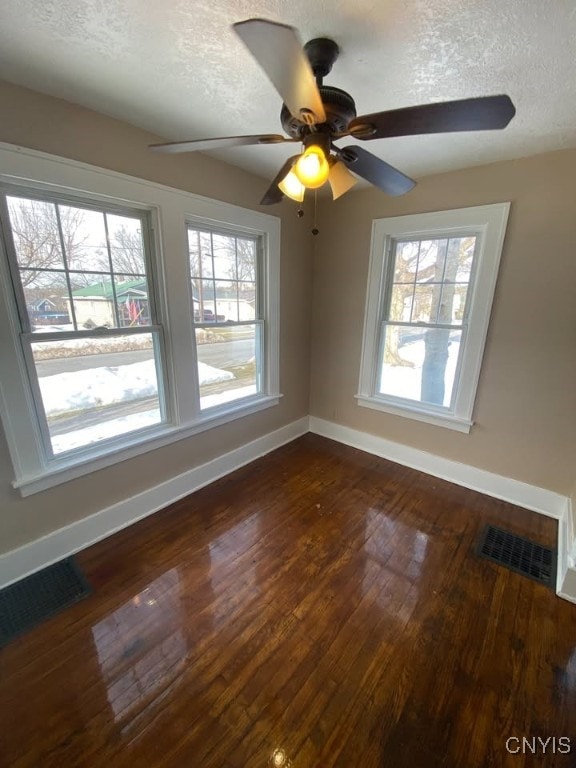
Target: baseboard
(66, 541)
(567, 553)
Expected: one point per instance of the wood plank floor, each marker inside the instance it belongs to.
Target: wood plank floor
(319, 608)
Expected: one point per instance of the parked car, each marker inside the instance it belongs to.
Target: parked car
(208, 316)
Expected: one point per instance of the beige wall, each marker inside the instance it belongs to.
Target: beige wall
(40, 122)
(525, 410)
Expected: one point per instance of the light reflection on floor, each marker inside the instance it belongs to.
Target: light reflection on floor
(279, 759)
(142, 649)
(236, 541)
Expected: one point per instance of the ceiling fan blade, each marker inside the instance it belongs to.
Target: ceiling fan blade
(198, 145)
(277, 48)
(273, 194)
(376, 171)
(341, 180)
(486, 113)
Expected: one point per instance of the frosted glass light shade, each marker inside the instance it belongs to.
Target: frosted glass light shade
(341, 180)
(292, 187)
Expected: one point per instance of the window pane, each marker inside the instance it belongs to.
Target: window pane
(247, 299)
(35, 233)
(227, 363)
(426, 303)
(126, 244)
(84, 238)
(97, 388)
(420, 363)
(246, 250)
(206, 260)
(406, 262)
(194, 253)
(453, 303)
(224, 257)
(459, 259)
(47, 302)
(401, 302)
(103, 301)
(431, 260)
(132, 300)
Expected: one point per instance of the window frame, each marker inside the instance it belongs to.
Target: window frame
(488, 224)
(27, 337)
(169, 210)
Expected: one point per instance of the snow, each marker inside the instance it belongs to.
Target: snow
(65, 393)
(209, 401)
(95, 387)
(106, 429)
(47, 350)
(406, 382)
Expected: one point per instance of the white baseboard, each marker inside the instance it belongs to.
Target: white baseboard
(66, 541)
(567, 554)
(514, 491)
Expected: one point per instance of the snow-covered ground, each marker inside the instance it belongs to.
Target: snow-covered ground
(47, 350)
(95, 387)
(134, 421)
(80, 390)
(404, 381)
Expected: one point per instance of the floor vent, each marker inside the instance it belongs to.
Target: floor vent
(30, 601)
(519, 554)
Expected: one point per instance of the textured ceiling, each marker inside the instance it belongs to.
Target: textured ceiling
(174, 67)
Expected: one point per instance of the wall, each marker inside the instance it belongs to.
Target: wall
(51, 125)
(525, 414)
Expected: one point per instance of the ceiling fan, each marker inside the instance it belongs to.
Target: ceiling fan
(317, 115)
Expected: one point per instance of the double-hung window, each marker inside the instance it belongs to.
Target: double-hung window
(131, 315)
(89, 331)
(430, 289)
(226, 278)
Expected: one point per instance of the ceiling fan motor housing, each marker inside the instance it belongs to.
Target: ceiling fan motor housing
(339, 107)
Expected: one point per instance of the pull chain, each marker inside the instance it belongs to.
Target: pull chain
(315, 229)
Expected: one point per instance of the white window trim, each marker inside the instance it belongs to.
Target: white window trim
(488, 222)
(170, 210)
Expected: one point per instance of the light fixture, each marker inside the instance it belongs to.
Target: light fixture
(292, 187)
(341, 180)
(312, 168)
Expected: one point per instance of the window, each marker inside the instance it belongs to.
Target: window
(131, 315)
(225, 277)
(88, 328)
(430, 290)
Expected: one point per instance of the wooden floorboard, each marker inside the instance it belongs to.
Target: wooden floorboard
(321, 605)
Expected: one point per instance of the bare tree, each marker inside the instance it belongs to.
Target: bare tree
(407, 268)
(127, 252)
(246, 260)
(437, 340)
(36, 235)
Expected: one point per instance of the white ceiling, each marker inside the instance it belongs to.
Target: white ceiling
(175, 67)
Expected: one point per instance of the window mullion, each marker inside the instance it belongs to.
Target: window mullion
(66, 267)
(112, 275)
(415, 280)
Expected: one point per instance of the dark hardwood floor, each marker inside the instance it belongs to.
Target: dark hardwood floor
(318, 608)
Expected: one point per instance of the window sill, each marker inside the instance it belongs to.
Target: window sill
(62, 471)
(449, 421)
